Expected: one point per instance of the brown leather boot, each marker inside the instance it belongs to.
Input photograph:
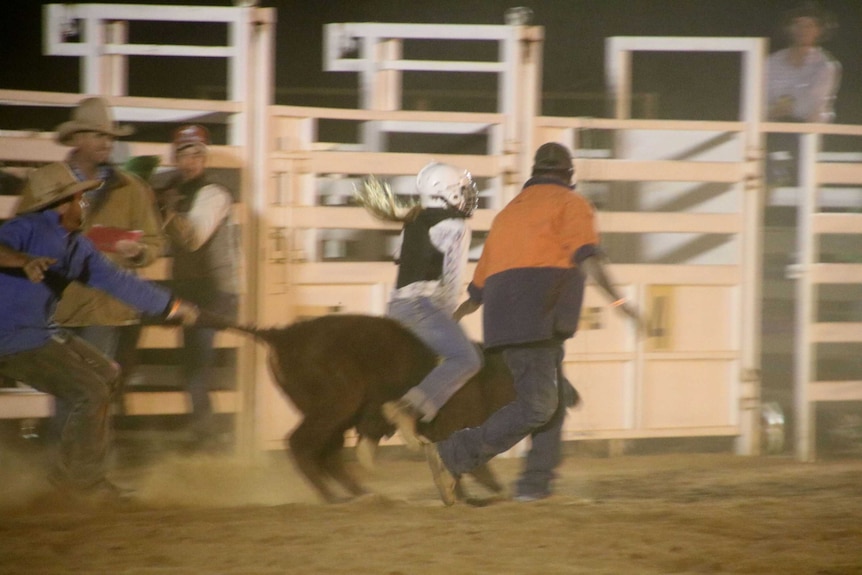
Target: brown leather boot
(403, 416)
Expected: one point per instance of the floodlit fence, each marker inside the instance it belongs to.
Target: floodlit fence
(22, 151)
(828, 273)
(680, 207)
(326, 255)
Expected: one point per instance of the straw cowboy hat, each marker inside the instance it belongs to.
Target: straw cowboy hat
(91, 115)
(50, 185)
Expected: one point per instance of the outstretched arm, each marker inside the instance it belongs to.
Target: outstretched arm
(594, 267)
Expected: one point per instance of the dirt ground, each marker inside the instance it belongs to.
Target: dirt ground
(632, 514)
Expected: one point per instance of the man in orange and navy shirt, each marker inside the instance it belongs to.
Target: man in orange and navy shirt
(530, 278)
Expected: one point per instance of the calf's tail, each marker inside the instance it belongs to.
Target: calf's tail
(216, 321)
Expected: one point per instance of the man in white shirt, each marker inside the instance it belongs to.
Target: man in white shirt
(205, 250)
(801, 84)
(803, 78)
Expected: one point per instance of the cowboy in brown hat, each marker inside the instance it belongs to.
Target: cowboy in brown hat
(91, 116)
(121, 208)
(123, 203)
(41, 253)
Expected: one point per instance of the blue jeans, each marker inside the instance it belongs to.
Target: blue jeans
(545, 445)
(82, 377)
(537, 411)
(198, 357)
(459, 358)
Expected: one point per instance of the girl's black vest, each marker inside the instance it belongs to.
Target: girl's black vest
(420, 260)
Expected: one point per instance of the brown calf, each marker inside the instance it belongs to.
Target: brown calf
(338, 370)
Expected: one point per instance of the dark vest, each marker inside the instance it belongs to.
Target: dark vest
(420, 260)
(213, 267)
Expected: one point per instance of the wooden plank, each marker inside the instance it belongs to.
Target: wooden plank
(375, 272)
(17, 403)
(595, 356)
(632, 124)
(24, 404)
(598, 170)
(37, 148)
(835, 173)
(836, 273)
(836, 332)
(322, 273)
(386, 115)
(640, 222)
(70, 100)
(382, 164)
(837, 224)
(835, 391)
(176, 402)
(357, 218)
(811, 128)
(687, 355)
(669, 274)
(166, 337)
(655, 432)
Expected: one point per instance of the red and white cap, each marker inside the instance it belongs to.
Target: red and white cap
(190, 135)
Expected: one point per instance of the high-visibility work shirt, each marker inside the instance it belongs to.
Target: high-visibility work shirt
(528, 278)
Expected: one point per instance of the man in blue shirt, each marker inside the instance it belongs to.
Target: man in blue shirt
(42, 252)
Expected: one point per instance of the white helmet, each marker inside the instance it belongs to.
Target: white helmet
(445, 186)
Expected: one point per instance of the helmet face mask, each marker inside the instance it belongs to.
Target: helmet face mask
(445, 186)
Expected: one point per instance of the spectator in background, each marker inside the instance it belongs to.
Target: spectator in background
(41, 253)
(123, 220)
(801, 84)
(205, 248)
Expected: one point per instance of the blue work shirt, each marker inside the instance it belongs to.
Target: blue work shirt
(27, 308)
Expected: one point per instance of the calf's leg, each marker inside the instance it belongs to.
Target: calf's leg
(307, 462)
(317, 445)
(366, 450)
(332, 461)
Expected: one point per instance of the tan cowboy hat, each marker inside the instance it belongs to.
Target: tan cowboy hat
(91, 115)
(50, 185)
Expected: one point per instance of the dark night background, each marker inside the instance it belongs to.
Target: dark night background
(687, 86)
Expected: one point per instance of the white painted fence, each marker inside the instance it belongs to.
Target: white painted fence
(309, 251)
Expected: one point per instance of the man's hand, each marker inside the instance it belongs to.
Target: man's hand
(35, 268)
(624, 306)
(184, 311)
(168, 200)
(129, 249)
(466, 308)
(782, 109)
